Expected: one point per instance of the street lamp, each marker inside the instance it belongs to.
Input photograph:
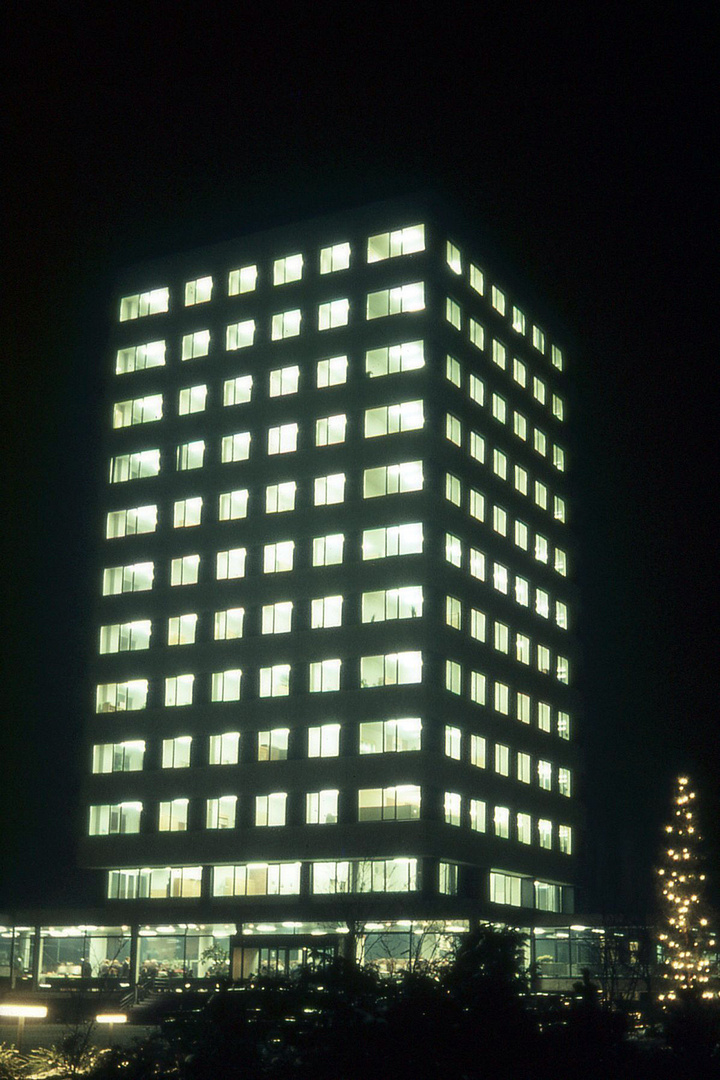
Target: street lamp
(111, 1019)
(21, 1013)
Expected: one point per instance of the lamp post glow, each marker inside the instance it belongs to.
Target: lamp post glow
(21, 1013)
(111, 1019)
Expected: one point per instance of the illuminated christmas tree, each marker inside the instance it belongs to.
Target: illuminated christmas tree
(683, 930)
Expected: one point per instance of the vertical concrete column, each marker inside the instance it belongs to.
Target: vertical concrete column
(134, 958)
(37, 958)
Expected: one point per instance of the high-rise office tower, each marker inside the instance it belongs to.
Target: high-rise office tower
(335, 615)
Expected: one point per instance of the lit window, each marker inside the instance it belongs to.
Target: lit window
(557, 357)
(137, 411)
(277, 618)
(391, 736)
(562, 670)
(282, 439)
(559, 508)
(192, 399)
(478, 751)
(330, 430)
(453, 742)
(560, 562)
(522, 649)
(392, 540)
(453, 371)
(195, 344)
(477, 505)
(453, 258)
(565, 839)
(389, 804)
(110, 819)
(477, 334)
(118, 757)
(225, 685)
(524, 828)
(521, 535)
(140, 357)
(500, 637)
(220, 813)
(476, 390)
(333, 313)
(179, 690)
(240, 335)
(190, 455)
(478, 815)
(538, 339)
(257, 879)
(125, 637)
(391, 670)
(540, 441)
(544, 769)
(394, 358)
(139, 305)
(242, 281)
(477, 447)
(500, 577)
(477, 624)
(388, 245)
(565, 782)
(453, 313)
(235, 447)
(272, 745)
(326, 611)
(233, 505)
(518, 321)
(523, 768)
(563, 725)
(544, 716)
(136, 577)
(477, 564)
(500, 520)
(453, 808)
(502, 759)
(519, 425)
(505, 889)
(545, 833)
(225, 748)
(325, 676)
(184, 570)
(135, 466)
(453, 612)
(198, 291)
(501, 821)
(543, 659)
(498, 299)
(561, 615)
(270, 809)
(230, 564)
(402, 603)
(334, 258)
(541, 495)
(237, 391)
(393, 479)
(324, 741)
(499, 408)
(280, 498)
(131, 522)
(521, 480)
(328, 490)
(453, 676)
(228, 624)
(328, 550)
(176, 752)
(523, 709)
(274, 681)
(453, 429)
(396, 301)
(332, 372)
(392, 419)
(278, 558)
(121, 696)
(558, 458)
(478, 686)
(539, 390)
(181, 629)
(501, 698)
(499, 354)
(453, 549)
(321, 807)
(286, 324)
(187, 513)
(288, 269)
(453, 489)
(477, 280)
(284, 381)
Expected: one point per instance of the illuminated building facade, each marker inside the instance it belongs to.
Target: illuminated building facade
(335, 609)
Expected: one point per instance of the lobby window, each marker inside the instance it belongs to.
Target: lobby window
(393, 479)
(173, 815)
(324, 676)
(137, 577)
(190, 455)
(323, 741)
(523, 768)
(478, 815)
(478, 687)
(328, 490)
(176, 752)
(138, 305)
(224, 749)
(121, 696)
(270, 809)
(524, 828)
(235, 447)
(277, 618)
(233, 505)
(478, 624)
(396, 301)
(477, 447)
(187, 513)
(273, 745)
(325, 612)
(477, 279)
(118, 757)
(501, 821)
(192, 399)
(288, 269)
(393, 359)
(453, 808)
(453, 489)
(392, 419)
(240, 335)
(453, 612)
(400, 803)
(502, 759)
(286, 324)
(225, 685)
(198, 291)
(230, 564)
(328, 550)
(131, 522)
(228, 625)
(330, 430)
(392, 540)
(284, 381)
(394, 669)
(453, 371)
(518, 321)
(179, 690)
(181, 629)
(545, 833)
(243, 280)
(184, 570)
(108, 820)
(195, 345)
(331, 372)
(333, 313)
(565, 839)
(334, 258)
(478, 751)
(391, 736)
(477, 334)
(389, 245)
(237, 391)
(282, 439)
(499, 354)
(321, 807)
(137, 411)
(400, 603)
(134, 466)
(453, 257)
(453, 313)
(453, 676)
(280, 498)
(220, 813)
(453, 742)
(140, 357)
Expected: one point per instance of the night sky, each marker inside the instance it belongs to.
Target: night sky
(579, 140)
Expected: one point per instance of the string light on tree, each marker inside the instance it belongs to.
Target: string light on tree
(683, 932)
